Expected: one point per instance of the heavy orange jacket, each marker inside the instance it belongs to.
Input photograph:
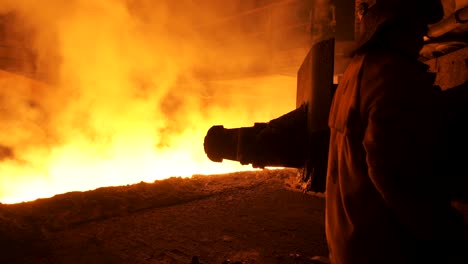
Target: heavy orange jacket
(385, 200)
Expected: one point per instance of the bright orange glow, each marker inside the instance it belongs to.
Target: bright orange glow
(130, 102)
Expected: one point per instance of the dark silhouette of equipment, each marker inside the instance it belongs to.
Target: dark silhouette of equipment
(298, 139)
(278, 143)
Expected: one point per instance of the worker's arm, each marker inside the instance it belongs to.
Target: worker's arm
(401, 139)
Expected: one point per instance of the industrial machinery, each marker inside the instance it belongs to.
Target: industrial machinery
(299, 139)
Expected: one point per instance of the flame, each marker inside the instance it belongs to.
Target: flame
(136, 87)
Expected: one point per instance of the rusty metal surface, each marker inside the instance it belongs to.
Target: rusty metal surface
(450, 23)
(451, 69)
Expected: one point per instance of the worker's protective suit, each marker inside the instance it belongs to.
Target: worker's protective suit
(386, 200)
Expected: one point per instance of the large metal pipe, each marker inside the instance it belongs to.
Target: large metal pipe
(281, 142)
(298, 139)
(448, 24)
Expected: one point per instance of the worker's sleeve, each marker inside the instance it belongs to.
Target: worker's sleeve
(401, 141)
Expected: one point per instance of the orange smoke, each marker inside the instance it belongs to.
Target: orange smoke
(136, 86)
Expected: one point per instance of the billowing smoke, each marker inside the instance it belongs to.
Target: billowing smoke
(133, 86)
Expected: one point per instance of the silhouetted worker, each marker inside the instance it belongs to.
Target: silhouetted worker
(386, 202)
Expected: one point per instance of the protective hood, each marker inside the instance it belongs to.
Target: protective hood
(423, 12)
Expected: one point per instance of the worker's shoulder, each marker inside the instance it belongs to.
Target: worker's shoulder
(388, 74)
(393, 66)
(394, 60)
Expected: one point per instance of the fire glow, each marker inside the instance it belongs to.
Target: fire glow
(137, 87)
